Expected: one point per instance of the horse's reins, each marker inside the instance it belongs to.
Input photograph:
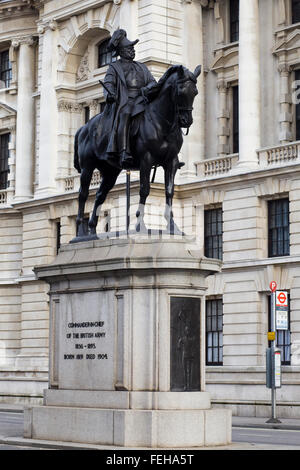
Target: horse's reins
(182, 108)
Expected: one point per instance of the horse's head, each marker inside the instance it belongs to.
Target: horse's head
(185, 92)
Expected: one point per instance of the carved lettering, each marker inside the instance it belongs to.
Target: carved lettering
(95, 345)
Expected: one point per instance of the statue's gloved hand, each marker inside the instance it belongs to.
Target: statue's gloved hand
(111, 98)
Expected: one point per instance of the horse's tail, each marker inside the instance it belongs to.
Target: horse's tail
(76, 157)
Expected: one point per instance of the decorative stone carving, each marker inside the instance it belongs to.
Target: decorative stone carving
(69, 106)
(29, 40)
(18, 8)
(51, 24)
(83, 72)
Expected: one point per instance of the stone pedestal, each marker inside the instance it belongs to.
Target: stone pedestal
(127, 320)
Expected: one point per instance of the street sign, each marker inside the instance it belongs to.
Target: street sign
(281, 310)
(281, 298)
(273, 286)
(282, 320)
(273, 368)
(271, 335)
(277, 368)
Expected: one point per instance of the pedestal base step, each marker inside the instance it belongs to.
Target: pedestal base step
(129, 428)
(136, 400)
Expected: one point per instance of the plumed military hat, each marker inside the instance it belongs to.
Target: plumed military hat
(119, 40)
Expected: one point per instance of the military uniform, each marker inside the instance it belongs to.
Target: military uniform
(126, 82)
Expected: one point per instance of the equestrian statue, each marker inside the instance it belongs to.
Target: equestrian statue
(139, 129)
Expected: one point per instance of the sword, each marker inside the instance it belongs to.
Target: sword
(105, 87)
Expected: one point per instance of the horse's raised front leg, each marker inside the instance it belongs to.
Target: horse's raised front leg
(170, 171)
(109, 178)
(85, 180)
(145, 170)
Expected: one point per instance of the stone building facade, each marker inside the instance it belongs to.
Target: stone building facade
(238, 194)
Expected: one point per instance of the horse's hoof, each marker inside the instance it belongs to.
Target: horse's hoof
(172, 229)
(141, 228)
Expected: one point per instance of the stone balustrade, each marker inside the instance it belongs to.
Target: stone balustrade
(72, 183)
(3, 197)
(279, 155)
(216, 166)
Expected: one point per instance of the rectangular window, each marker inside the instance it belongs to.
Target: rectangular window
(106, 217)
(295, 11)
(234, 20)
(235, 119)
(279, 227)
(213, 233)
(214, 332)
(58, 236)
(297, 110)
(4, 154)
(5, 69)
(86, 114)
(283, 338)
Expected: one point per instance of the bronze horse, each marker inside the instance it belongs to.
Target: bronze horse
(156, 141)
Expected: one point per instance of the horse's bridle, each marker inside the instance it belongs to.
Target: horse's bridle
(181, 108)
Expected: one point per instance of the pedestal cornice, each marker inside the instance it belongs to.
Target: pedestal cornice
(131, 254)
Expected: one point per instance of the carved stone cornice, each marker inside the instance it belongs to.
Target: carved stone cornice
(17, 8)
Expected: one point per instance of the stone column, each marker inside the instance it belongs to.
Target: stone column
(194, 144)
(285, 104)
(48, 111)
(249, 84)
(223, 118)
(25, 119)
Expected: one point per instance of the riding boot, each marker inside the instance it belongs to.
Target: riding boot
(126, 160)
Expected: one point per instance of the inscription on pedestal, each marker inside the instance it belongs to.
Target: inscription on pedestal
(185, 344)
(87, 343)
(85, 339)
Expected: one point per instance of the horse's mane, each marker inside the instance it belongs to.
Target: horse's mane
(171, 70)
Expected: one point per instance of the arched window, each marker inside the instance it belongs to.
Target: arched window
(105, 57)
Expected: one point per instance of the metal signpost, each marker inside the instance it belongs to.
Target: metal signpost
(279, 321)
(127, 201)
